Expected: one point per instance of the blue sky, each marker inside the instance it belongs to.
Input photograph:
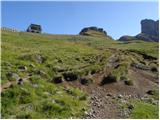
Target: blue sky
(117, 18)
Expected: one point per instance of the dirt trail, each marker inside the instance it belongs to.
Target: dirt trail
(104, 98)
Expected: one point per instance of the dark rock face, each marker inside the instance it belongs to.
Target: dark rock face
(149, 30)
(84, 30)
(149, 27)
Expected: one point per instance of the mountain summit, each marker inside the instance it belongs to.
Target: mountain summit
(149, 32)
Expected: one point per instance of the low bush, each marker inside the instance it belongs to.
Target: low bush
(108, 79)
(129, 82)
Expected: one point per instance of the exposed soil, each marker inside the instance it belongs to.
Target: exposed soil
(104, 98)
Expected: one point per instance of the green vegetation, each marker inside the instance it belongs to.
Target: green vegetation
(42, 100)
(45, 60)
(145, 110)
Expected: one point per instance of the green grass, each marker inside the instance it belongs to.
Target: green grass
(51, 56)
(144, 110)
(44, 101)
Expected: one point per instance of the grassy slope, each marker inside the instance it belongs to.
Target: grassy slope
(78, 54)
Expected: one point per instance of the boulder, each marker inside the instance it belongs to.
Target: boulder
(22, 68)
(70, 76)
(140, 66)
(150, 27)
(12, 76)
(20, 81)
(149, 30)
(40, 59)
(85, 30)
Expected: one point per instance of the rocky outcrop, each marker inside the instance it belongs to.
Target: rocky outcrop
(126, 38)
(150, 27)
(84, 31)
(149, 32)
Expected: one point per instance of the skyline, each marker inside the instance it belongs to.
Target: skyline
(116, 18)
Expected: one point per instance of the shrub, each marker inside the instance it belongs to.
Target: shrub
(57, 79)
(108, 79)
(83, 97)
(128, 82)
(144, 110)
(86, 81)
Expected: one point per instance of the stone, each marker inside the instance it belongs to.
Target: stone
(34, 28)
(53, 101)
(130, 106)
(120, 96)
(35, 85)
(86, 113)
(57, 79)
(84, 31)
(70, 76)
(12, 76)
(149, 30)
(109, 94)
(32, 65)
(140, 66)
(40, 59)
(149, 27)
(22, 68)
(20, 81)
(42, 73)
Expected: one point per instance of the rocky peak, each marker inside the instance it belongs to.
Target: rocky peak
(149, 30)
(150, 27)
(85, 31)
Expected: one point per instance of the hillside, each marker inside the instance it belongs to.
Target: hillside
(77, 76)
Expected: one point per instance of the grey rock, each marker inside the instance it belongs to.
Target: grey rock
(22, 68)
(120, 96)
(86, 113)
(85, 30)
(40, 59)
(12, 76)
(32, 65)
(41, 72)
(130, 106)
(149, 30)
(35, 85)
(140, 66)
(20, 81)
